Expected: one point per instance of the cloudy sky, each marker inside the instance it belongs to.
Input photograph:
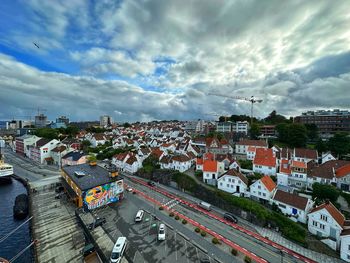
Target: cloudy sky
(145, 60)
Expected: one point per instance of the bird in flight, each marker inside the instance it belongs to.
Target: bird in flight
(35, 44)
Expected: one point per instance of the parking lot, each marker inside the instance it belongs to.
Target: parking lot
(142, 237)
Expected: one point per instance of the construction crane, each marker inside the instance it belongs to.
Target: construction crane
(252, 100)
(38, 109)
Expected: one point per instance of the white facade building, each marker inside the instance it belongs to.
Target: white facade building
(263, 189)
(233, 182)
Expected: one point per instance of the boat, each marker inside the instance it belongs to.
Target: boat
(6, 170)
(20, 209)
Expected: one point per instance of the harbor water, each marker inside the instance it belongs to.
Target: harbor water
(19, 240)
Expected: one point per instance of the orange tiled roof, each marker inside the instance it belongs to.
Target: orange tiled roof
(210, 166)
(343, 171)
(285, 167)
(199, 161)
(264, 157)
(251, 149)
(299, 164)
(332, 210)
(268, 182)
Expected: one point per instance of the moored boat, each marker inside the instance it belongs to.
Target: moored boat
(20, 209)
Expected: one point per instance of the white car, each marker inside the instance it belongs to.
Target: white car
(118, 250)
(161, 232)
(139, 215)
(129, 189)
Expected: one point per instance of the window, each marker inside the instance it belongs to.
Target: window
(229, 179)
(228, 185)
(281, 205)
(259, 187)
(348, 249)
(324, 218)
(259, 193)
(314, 223)
(231, 185)
(264, 194)
(220, 184)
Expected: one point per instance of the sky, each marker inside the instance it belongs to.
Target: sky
(159, 60)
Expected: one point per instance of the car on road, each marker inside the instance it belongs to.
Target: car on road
(205, 205)
(129, 189)
(150, 183)
(97, 222)
(205, 260)
(118, 250)
(161, 232)
(139, 215)
(230, 217)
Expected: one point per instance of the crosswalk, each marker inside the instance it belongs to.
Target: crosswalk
(171, 203)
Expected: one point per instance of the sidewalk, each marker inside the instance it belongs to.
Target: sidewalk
(276, 237)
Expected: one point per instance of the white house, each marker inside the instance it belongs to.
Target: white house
(345, 245)
(41, 152)
(132, 164)
(343, 177)
(251, 153)
(263, 189)
(298, 176)
(305, 155)
(292, 205)
(264, 162)
(326, 222)
(242, 146)
(284, 172)
(119, 160)
(233, 182)
(166, 162)
(327, 157)
(181, 163)
(211, 171)
(97, 139)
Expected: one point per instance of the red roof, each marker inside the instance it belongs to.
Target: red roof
(157, 152)
(210, 166)
(291, 199)
(253, 143)
(299, 164)
(199, 161)
(264, 157)
(208, 156)
(285, 167)
(234, 172)
(251, 149)
(332, 210)
(268, 182)
(343, 171)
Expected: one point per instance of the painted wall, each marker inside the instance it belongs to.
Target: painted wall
(103, 195)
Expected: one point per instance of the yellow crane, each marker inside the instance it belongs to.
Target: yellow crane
(252, 100)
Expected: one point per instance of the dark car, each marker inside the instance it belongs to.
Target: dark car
(205, 260)
(98, 222)
(231, 218)
(150, 183)
(59, 189)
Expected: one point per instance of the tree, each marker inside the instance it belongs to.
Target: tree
(275, 118)
(47, 133)
(127, 125)
(321, 146)
(312, 131)
(339, 144)
(325, 192)
(297, 135)
(86, 144)
(282, 130)
(254, 131)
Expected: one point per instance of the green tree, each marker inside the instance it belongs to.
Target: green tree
(312, 131)
(297, 135)
(321, 146)
(215, 134)
(255, 131)
(282, 130)
(339, 144)
(127, 125)
(323, 192)
(72, 130)
(275, 118)
(47, 133)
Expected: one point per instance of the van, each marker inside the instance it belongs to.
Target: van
(118, 250)
(205, 205)
(161, 232)
(139, 215)
(231, 218)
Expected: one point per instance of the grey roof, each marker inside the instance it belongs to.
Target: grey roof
(93, 175)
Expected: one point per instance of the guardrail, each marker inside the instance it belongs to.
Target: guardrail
(241, 229)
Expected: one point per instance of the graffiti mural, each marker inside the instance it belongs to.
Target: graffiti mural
(103, 195)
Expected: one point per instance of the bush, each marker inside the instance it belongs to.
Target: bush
(203, 233)
(185, 182)
(177, 217)
(161, 208)
(215, 241)
(184, 221)
(171, 214)
(247, 259)
(197, 230)
(234, 252)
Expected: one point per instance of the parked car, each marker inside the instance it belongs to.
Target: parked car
(118, 250)
(150, 183)
(205, 260)
(139, 215)
(161, 232)
(230, 217)
(129, 189)
(205, 205)
(97, 222)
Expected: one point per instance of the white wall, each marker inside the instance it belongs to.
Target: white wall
(258, 190)
(229, 183)
(345, 248)
(264, 169)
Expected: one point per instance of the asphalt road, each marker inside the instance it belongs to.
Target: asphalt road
(27, 169)
(265, 251)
